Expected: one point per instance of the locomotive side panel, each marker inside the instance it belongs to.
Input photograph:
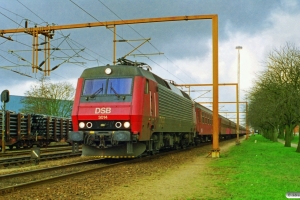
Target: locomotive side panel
(175, 112)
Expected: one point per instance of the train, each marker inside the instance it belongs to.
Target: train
(25, 130)
(125, 111)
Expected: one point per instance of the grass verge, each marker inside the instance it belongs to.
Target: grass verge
(295, 139)
(258, 169)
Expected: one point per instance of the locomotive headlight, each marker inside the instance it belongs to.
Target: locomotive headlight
(118, 124)
(126, 124)
(81, 125)
(108, 71)
(89, 125)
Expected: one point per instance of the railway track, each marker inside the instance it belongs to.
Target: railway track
(22, 180)
(18, 160)
(46, 176)
(13, 153)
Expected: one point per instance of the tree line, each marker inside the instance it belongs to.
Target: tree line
(274, 100)
(44, 97)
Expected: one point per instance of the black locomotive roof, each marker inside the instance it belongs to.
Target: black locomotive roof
(117, 71)
(125, 70)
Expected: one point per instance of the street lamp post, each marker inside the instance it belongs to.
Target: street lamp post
(238, 98)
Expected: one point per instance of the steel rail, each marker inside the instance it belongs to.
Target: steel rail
(13, 188)
(55, 178)
(19, 152)
(7, 176)
(26, 159)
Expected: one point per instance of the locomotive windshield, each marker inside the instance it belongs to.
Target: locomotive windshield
(119, 86)
(114, 86)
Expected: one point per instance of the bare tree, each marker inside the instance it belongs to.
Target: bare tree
(275, 97)
(48, 98)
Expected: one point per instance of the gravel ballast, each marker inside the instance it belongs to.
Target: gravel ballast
(174, 176)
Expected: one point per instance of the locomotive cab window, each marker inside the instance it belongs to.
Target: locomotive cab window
(114, 86)
(94, 86)
(119, 86)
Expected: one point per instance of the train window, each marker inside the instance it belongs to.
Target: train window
(147, 87)
(119, 86)
(94, 86)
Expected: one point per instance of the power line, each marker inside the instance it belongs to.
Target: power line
(123, 39)
(55, 39)
(10, 18)
(32, 11)
(144, 38)
(89, 50)
(19, 24)
(79, 55)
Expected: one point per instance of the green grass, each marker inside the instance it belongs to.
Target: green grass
(261, 170)
(295, 139)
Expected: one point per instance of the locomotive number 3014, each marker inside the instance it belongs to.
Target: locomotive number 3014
(104, 110)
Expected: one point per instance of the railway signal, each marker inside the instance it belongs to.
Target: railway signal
(5, 96)
(4, 99)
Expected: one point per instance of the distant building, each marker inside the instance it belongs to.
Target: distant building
(14, 103)
(296, 130)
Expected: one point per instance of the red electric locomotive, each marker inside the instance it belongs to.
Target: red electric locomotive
(123, 111)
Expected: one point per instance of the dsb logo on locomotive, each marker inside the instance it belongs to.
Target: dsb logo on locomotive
(104, 110)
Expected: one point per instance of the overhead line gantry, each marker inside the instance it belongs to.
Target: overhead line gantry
(49, 30)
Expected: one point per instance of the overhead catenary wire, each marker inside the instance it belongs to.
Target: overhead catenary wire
(75, 42)
(79, 55)
(166, 69)
(31, 11)
(144, 38)
(76, 62)
(19, 57)
(47, 23)
(124, 39)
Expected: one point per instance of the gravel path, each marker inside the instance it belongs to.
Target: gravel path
(173, 176)
(283, 142)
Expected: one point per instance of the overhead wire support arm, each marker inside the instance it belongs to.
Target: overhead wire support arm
(107, 23)
(134, 40)
(48, 31)
(145, 54)
(146, 40)
(8, 38)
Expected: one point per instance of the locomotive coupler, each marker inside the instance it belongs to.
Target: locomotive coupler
(102, 142)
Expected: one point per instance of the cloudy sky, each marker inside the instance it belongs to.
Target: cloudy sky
(259, 26)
